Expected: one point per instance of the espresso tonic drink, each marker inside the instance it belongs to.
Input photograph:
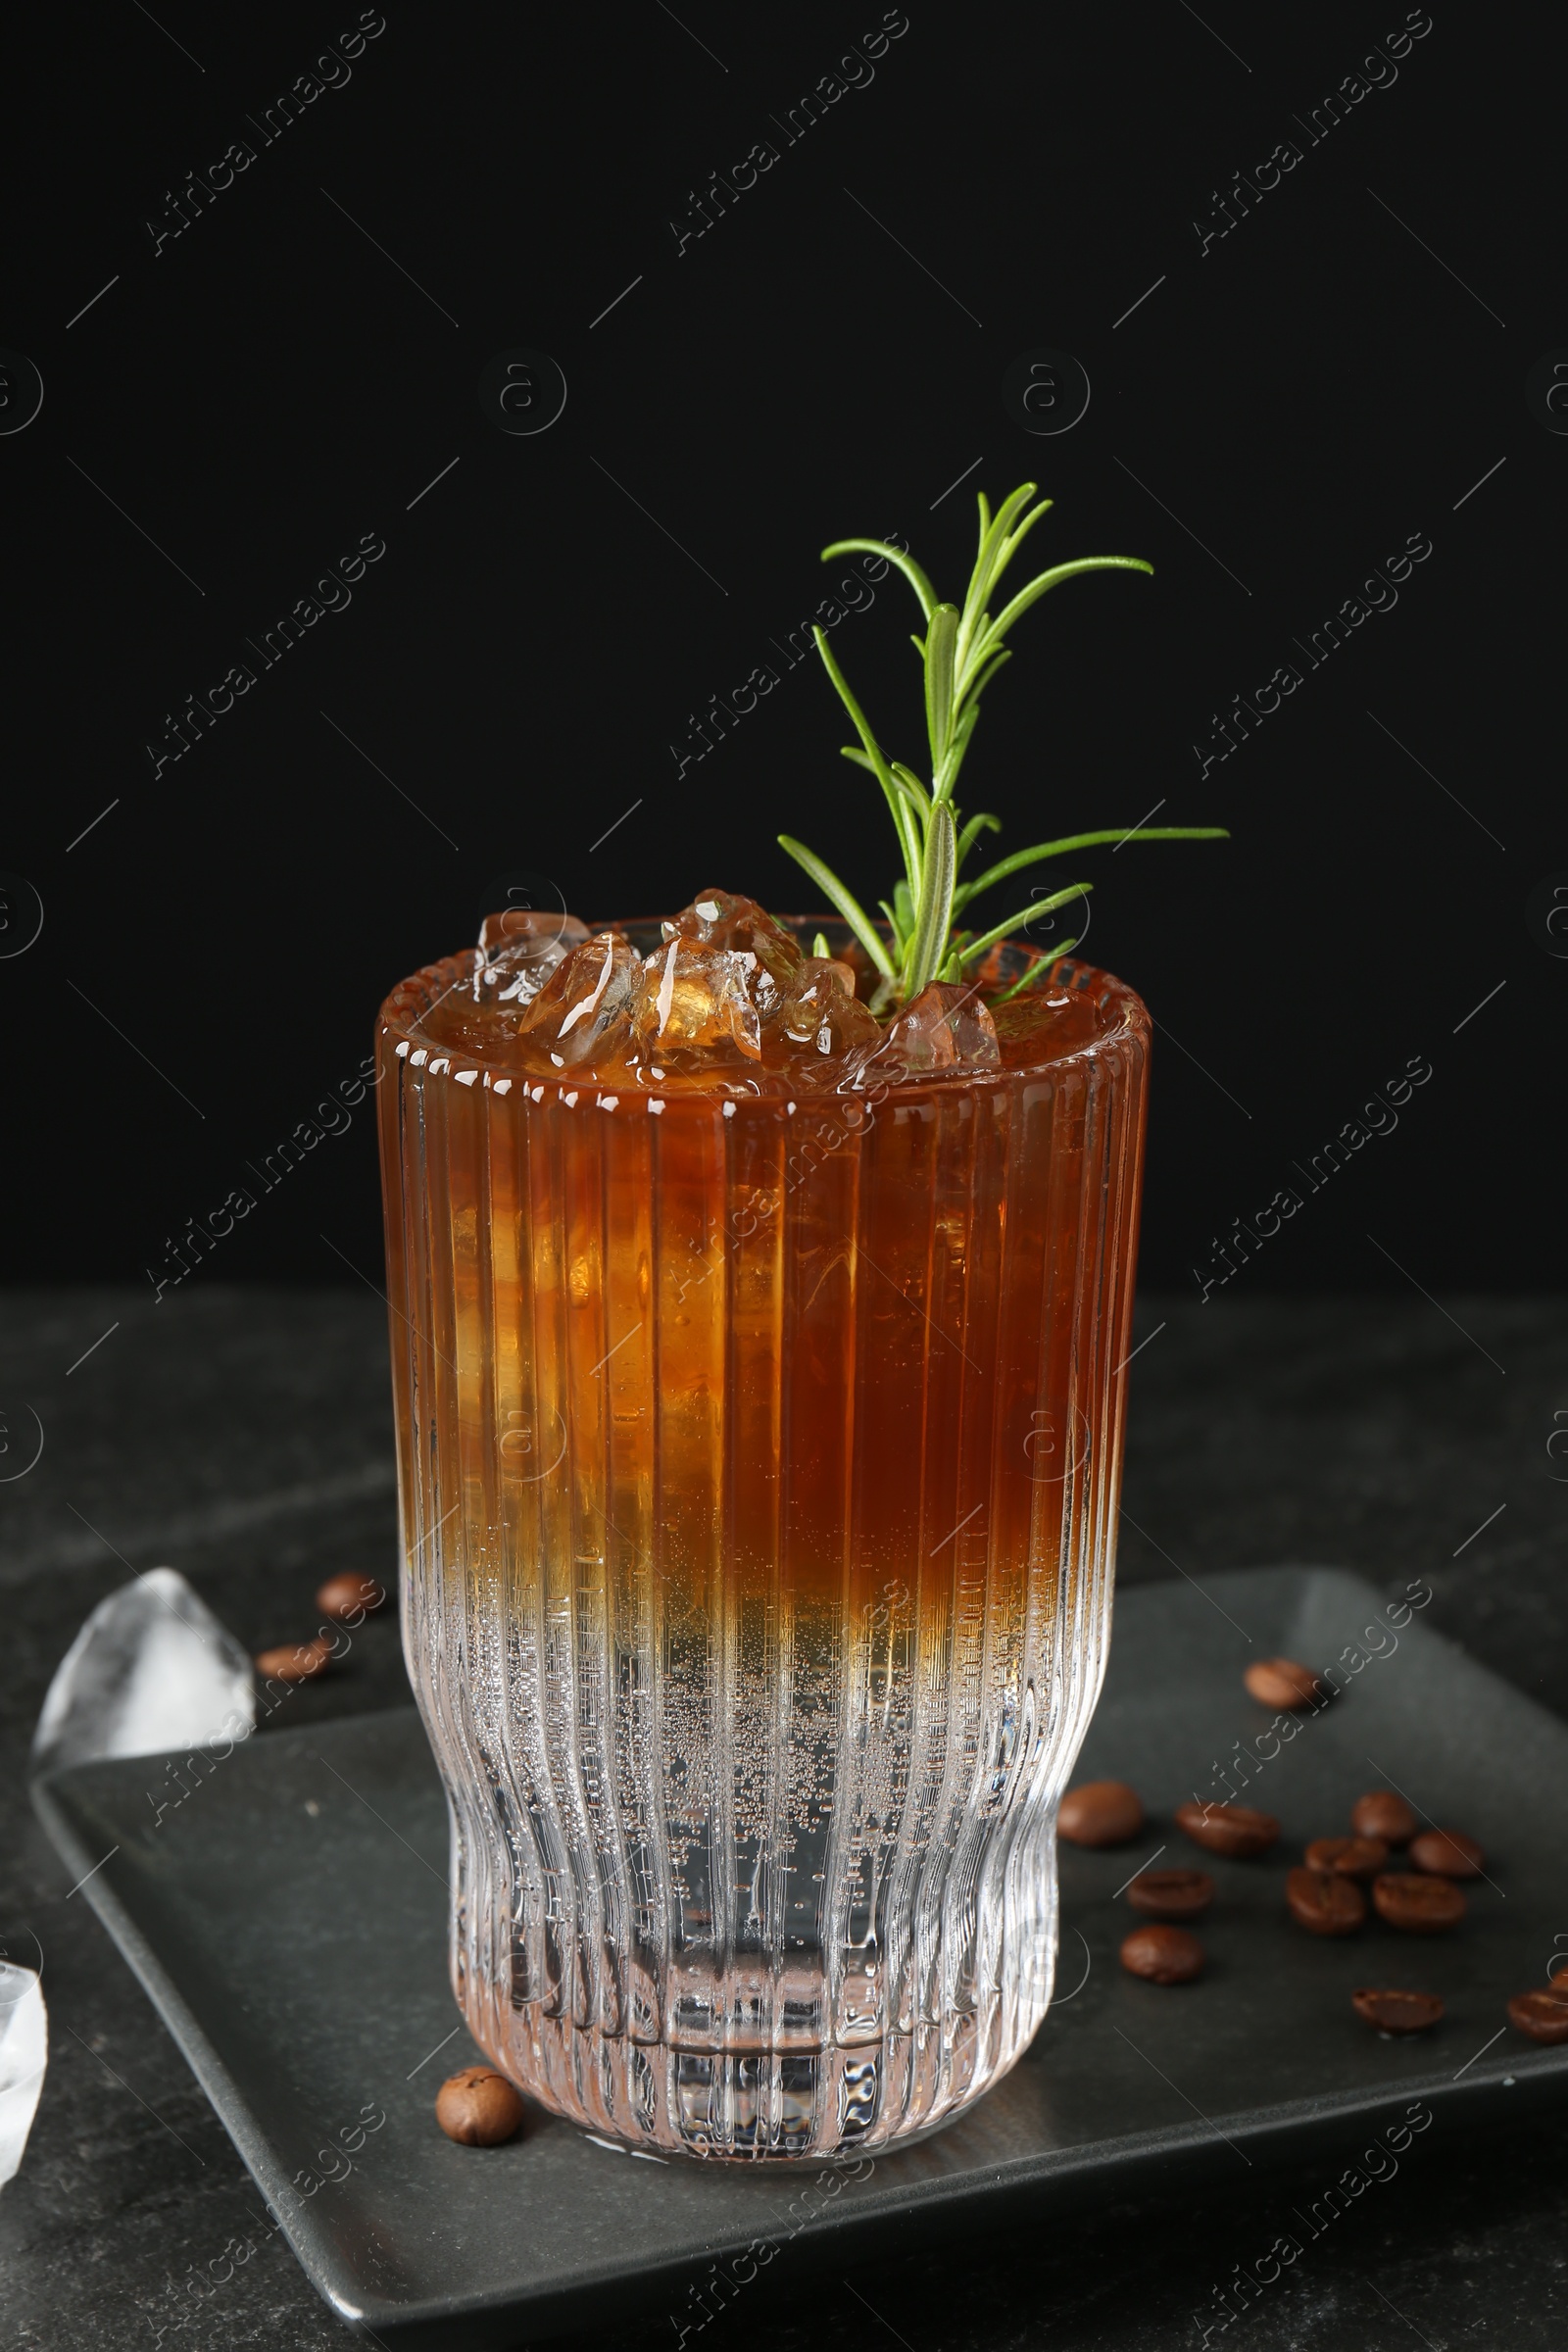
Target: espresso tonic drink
(759, 1375)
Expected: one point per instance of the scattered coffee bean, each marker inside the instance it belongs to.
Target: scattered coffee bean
(1543, 2015)
(1281, 1682)
(347, 1599)
(479, 2107)
(1100, 1813)
(1234, 1830)
(1382, 1814)
(1449, 1853)
(1324, 1903)
(1171, 1893)
(1397, 2012)
(296, 1662)
(1162, 1955)
(1420, 1904)
(1351, 1857)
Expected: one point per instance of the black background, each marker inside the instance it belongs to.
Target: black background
(509, 676)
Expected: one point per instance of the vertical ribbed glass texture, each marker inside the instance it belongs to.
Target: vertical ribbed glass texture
(759, 1479)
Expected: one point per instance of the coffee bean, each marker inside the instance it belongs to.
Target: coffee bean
(479, 2107)
(349, 1598)
(298, 1662)
(1100, 1813)
(1281, 1682)
(1171, 1893)
(1351, 1857)
(1234, 1830)
(1543, 2015)
(1422, 1905)
(1324, 1903)
(1397, 2012)
(1382, 1814)
(1162, 1955)
(1447, 1852)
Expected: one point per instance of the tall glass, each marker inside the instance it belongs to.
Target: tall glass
(758, 1469)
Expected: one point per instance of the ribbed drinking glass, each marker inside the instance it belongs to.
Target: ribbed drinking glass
(759, 1468)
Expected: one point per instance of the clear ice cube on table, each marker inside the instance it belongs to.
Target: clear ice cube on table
(152, 1669)
(24, 2055)
(945, 1027)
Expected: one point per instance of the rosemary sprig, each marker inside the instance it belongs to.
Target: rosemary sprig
(961, 650)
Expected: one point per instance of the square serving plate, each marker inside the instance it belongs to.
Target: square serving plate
(288, 1922)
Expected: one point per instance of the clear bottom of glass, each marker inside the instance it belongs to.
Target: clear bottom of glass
(918, 1979)
(768, 2105)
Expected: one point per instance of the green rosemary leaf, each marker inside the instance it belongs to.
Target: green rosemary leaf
(973, 686)
(1024, 914)
(985, 515)
(934, 908)
(854, 913)
(906, 777)
(819, 946)
(971, 834)
(1036, 971)
(963, 728)
(992, 560)
(1015, 539)
(909, 784)
(908, 836)
(902, 914)
(941, 642)
(873, 749)
(892, 555)
(1082, 840)
(1052, 580)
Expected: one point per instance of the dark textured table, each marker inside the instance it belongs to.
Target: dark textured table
(243, 1437)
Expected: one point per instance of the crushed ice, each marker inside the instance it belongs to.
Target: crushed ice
(728, 988)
